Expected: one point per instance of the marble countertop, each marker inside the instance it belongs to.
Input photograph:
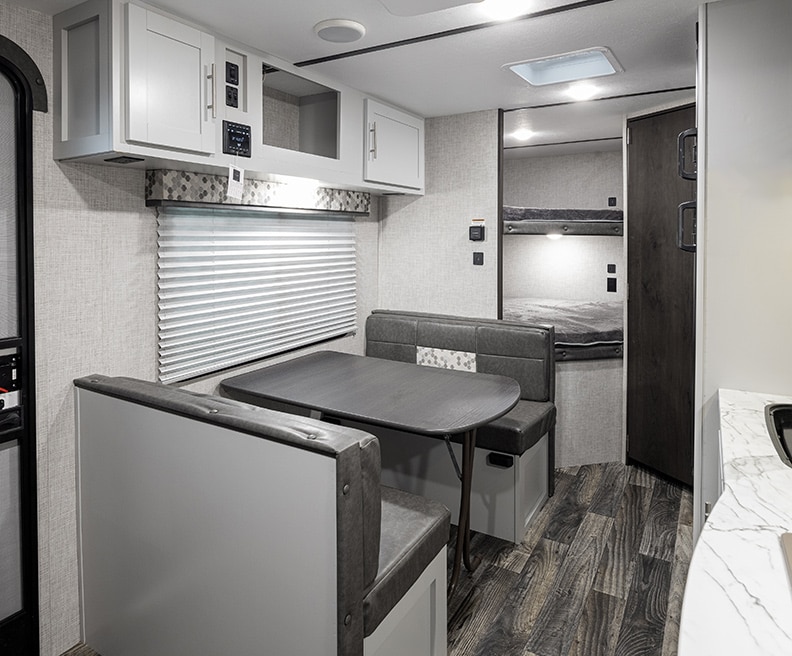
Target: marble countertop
(738, 596)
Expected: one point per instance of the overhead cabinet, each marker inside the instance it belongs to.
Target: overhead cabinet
(395, 152)
(165, 96)
(172, 99)
(138, 87)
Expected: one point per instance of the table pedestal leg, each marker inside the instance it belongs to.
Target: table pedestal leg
(463, 531)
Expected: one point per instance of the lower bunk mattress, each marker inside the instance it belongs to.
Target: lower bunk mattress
(584, 330)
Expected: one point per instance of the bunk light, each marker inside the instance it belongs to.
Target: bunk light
(567, 67)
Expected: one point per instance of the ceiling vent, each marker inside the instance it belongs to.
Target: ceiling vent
(418, 7)
(567, 67)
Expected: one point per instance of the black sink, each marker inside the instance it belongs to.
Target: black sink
(779, 424)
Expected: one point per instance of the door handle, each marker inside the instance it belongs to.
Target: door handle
(684, 173)
(211, 76)
(373, 140)
(690, 247)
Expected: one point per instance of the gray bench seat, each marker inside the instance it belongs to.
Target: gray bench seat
(524, 353)
(519, 429)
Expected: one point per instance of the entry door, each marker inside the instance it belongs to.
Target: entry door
(18, 549)
(661, 301)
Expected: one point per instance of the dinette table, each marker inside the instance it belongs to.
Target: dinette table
(408, 397)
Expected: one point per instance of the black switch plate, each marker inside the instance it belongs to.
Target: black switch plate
(611, 201)
(232, 96)
(611, 268)
(478, 258)
(232, 73)
(611, 284)
(476, 233)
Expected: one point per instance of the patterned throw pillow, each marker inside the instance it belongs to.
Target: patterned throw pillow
(446, 359)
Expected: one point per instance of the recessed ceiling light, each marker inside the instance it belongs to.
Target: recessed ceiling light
(522, 134)
(582, 91)
(339, 30)
(505, 9)
(570, 66)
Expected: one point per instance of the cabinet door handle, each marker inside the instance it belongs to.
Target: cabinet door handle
(683, 207)
(373, 140)
(681, 140)
(213, 106)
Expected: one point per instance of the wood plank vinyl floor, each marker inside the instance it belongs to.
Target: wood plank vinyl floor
(600, 572)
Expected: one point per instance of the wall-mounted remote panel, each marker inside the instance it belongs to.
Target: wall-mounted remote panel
(236, 139)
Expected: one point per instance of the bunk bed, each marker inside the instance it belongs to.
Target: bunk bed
(543, 221)
(589, 342)
(584, 330)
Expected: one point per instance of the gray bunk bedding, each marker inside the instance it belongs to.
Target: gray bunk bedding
(584, 330)
(540, 221)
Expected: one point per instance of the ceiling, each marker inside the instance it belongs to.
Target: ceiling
(450, 60)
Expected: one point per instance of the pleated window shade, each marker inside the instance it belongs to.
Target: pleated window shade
(238, 285)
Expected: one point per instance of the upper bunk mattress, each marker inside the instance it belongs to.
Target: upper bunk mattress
(584, 330)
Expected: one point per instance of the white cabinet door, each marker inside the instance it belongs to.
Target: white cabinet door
(171, 85)
(395, 152)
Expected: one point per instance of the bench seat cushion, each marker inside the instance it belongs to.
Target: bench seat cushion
(519, 429)
(414, 530)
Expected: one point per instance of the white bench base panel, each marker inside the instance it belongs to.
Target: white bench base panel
(503, 501)
(417, 624)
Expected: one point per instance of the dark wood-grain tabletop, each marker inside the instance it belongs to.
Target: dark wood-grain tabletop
(399, 395)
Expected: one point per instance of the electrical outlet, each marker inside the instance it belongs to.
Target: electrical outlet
(478, 258)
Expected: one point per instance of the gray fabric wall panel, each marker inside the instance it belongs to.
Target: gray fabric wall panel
(521, 342)
(391, 329)
(531, 374)
(447, 335)
(525, 353)
(389, 351)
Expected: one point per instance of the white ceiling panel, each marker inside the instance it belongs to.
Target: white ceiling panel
(451, 65)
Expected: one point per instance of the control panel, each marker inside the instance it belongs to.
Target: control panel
(236, 139)
(10, 412)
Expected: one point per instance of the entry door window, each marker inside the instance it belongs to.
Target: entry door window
(8, 213)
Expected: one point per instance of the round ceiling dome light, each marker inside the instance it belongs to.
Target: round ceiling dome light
(339, 30)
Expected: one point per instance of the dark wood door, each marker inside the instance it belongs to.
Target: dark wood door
(661, 301)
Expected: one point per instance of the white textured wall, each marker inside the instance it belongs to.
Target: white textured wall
(744, 259)
(582, 181)
(95, 269)
(426, 261)
(574, 267)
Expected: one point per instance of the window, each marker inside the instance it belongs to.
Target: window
(235, 285)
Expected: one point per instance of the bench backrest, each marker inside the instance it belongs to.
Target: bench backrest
(211, 526)
(525, 353)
